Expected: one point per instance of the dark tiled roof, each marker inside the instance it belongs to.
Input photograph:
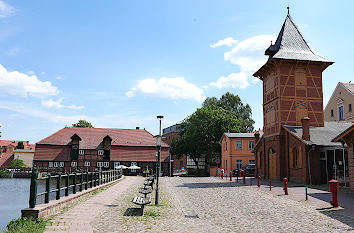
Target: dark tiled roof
(91, 138)
(349, 86)
(322, 136)
(6, 158)
(350, 128)
(291, 44)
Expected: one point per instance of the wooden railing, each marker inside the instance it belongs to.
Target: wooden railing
(80, 181)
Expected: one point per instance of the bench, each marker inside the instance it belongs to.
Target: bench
(142, 201)
(148, 183)
(145, 191)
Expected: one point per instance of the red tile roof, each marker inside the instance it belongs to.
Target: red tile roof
(14, 143)
(5, 159)
(91, 138)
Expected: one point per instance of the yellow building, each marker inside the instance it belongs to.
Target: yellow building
(25, 155)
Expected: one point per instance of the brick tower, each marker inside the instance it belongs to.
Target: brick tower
(292, 88)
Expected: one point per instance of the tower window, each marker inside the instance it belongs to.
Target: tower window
(350, 107)
(332, 113)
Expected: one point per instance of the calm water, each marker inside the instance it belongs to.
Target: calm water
(14, 196)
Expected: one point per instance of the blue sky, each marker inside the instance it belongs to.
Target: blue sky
(121, 63)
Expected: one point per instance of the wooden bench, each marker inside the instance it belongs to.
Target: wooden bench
(142, 201)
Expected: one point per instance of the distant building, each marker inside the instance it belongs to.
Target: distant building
(340, 105)
(25, 155)
(169, 134)
(8, 149)
(236, 150)
(100, 148)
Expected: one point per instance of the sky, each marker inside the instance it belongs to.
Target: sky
(119, 64)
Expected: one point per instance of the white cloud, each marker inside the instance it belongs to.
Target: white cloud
(17, 83)
(32, 112)
(229, 41)
(5, 9)
(57, 104)
(172, 88)
(59, 77)
(249, 56)
(31, 72)
(234, 80)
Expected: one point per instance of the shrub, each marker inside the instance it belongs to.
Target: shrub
(26, 225)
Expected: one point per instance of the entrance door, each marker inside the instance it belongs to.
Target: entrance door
(272, 165)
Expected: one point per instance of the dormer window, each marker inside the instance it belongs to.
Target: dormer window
(100, 152)
(107, 147)
(75, 140)
(81, 152)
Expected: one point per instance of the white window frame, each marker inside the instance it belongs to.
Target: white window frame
(100, 152)
(133, 170)
(239, 163)
(56, 164)
(61, 164)
(116, 164)
(250, 142)
(106, 164)
(133, 164)
(253, 161)
(73, 163)
(50, 164)
(241, 145)
(99, 164)
(81, 152)
(87, 164)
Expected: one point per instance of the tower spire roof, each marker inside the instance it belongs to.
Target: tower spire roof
(291, 44)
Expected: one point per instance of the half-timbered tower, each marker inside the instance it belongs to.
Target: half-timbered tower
(292, 91)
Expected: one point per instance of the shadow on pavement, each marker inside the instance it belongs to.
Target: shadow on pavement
(209, 185)
(340, 215)
(110, 205)
(133, 212)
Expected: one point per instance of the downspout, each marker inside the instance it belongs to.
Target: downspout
(309, 163)
(231, 155)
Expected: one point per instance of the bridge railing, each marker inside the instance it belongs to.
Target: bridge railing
(79, 182)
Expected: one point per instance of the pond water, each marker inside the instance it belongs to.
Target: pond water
(14, 196)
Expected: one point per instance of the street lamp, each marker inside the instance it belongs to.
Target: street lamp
(158, 144)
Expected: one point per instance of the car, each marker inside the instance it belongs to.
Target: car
(250, 169)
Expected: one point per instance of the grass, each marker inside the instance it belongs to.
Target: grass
(26, 225)
(152, 213)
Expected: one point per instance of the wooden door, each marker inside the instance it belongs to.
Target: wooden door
(272, 165)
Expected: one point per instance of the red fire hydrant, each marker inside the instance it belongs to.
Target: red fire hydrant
(259, 181)
(244, 177)
(334, 189)
(230, 175)
(285, 180)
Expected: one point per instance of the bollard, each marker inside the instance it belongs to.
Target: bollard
(285, 180)
(334, 189)
(270, 185)
(259, 181)
(230, 175)
(222, 174)
(244, 177)
(306, 193)
(239, 173)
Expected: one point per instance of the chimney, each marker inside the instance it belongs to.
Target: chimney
(256, 135)
(305, 128)
(137, 127)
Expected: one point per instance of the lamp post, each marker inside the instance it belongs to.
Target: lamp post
(158, 144)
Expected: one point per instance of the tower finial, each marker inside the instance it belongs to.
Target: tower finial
(288, 9)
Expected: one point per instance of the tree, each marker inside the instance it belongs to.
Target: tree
(200, 134)
(83, 124)
(234, 104)
(17, 163)
(20, 145)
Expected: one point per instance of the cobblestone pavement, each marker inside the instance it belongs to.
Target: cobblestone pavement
(208, 204)
(213, 205)
(79, 218)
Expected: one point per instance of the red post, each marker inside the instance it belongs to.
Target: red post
(334, 189)
(230, 175)
(244, 177)
(270, 185)
(259, 181)
(222, 174)
(239, 172)
(285, 180)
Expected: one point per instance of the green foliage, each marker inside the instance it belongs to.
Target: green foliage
(5, 174)
(234, 104)
(200, 133)
(20, 145)
(83, 124)
(26, 225)
(17, 163)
